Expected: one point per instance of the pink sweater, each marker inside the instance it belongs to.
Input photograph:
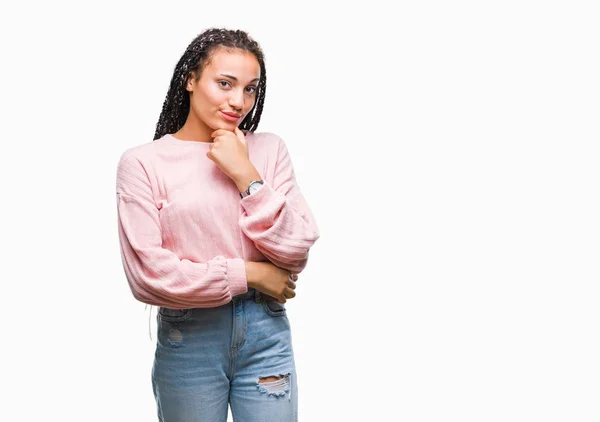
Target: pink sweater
(184, 231)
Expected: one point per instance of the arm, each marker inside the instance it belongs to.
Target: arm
(156, 275)
(277, 218)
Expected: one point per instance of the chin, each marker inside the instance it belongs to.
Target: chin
(225, 126)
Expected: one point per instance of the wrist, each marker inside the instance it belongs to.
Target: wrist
(251, 274)
(243, 180)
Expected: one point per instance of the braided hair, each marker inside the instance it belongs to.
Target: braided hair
(197, 55)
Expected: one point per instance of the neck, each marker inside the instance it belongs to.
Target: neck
(194, 130)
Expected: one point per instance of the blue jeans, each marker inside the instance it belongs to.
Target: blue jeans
(207, 358)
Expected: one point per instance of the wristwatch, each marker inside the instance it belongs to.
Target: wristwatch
(252, 187)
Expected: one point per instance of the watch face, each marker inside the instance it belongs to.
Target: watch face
(254, 187)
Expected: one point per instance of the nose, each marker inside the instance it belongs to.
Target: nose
(236, 99)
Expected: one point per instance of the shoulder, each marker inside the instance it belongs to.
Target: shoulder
(140, 155)
(144, 151)
(268, 140)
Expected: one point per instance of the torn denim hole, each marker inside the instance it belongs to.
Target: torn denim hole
(277, 387)
(175, 337)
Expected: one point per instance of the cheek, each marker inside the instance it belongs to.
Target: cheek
(206, 103)
(214, 95)
(249, 104)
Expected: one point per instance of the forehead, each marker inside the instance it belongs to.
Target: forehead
(238, 63)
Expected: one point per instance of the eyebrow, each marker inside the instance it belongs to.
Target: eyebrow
(235, 79)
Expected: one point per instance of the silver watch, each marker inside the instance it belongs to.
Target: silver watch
(252, 187)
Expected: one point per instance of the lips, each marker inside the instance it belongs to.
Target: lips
(230, 117)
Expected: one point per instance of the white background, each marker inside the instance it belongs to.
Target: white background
(449, 152)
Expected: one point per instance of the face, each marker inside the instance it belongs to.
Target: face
(228, 84)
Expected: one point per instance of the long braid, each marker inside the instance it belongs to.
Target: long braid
(196, 56)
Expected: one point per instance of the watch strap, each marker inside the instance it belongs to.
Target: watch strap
(247, 191)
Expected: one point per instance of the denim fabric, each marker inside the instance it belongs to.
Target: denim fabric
(209, 358)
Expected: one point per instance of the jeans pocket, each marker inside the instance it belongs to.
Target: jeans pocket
(173, 315)
(272, 307)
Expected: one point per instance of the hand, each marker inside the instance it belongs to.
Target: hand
(271, 280)
(229, 151)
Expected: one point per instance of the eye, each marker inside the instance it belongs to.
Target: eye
(253, 89)
(225, 82)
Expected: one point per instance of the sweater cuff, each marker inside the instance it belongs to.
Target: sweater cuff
(265, 195)
(236, 276)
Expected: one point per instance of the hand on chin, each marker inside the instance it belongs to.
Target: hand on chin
(225, 126)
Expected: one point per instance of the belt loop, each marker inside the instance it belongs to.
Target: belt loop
(256, 296)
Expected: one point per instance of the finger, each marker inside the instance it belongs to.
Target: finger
(240, 135)
(291, 284)
(289, 293)
(218, 138)
(219, 132)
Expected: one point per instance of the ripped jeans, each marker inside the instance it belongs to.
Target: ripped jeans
(238, 354)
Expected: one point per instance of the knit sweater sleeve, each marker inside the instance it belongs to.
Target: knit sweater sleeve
(277, 218)
(155, 274)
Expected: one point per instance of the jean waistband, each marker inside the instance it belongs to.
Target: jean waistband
(252, 293)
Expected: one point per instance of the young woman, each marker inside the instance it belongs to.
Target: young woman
(214, 230)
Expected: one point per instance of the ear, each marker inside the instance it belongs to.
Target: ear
(191, 80)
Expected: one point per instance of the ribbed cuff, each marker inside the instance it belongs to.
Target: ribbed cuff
(252, 204)
(236, 276)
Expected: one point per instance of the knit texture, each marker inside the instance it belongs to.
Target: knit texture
(185, 233)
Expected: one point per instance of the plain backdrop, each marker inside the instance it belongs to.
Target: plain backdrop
(448, 150)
